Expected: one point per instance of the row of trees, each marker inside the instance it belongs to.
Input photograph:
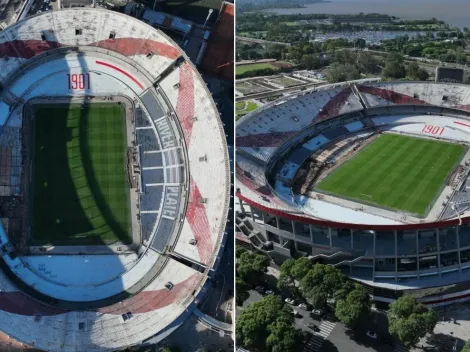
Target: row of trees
(428, 47)
(349, 65)
(267, 324)
(250, 268)
(319, 284)
(395, 68)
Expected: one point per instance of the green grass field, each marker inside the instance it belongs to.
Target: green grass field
(244, 107)
(251, 67)
(79, 190)
(398, 172)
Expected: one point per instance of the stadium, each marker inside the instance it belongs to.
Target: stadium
(115, 182)
(370, 177)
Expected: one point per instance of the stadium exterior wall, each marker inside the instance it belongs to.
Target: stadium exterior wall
(425, 260)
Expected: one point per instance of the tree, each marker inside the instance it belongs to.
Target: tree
(241, 288)
(342, 72)
(410, 320)
(239, 251)
(345, 57)
(466, 348)
(275, 51)
(414, 72)
(251, 267)
(293, 271)
(394, 67)
(343, 291)
(367, 63)
(310, 62)
(321, 283)
(354, 308)
(360, 43)
(460, 55)
(283, 337)
(252, 324)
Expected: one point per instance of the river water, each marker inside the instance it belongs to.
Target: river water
(454, 12)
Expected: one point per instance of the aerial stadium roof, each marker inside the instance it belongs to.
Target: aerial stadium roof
(279, 136)
(63, 303)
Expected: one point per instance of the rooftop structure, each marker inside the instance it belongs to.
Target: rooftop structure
(290, 203)
(60, 297)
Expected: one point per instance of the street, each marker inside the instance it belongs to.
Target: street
(218, 301)
(333, 336)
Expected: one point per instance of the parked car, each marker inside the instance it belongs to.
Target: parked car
(317, 312)
(269, 292)
(313, 327)
(296, 313)
(290, 301)
(303, 306)
(371, 334)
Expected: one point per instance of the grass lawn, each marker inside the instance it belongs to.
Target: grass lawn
(244, 107)
(79, 188)
(249, 87)
(251, 67)
(285, 81)
(399, 172)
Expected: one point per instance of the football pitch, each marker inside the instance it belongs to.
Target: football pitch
(396, 172)
(80, 195)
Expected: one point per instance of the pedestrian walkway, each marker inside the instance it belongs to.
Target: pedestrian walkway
(316, 340)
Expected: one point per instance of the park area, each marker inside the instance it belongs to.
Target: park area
(244, 107)
(396, 172)
(80, 193)
(274, 66)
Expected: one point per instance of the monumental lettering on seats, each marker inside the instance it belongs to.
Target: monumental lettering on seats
(170, 204)
(166, 134)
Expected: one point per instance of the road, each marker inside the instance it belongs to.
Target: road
(192, 336)
(300, 87)
(260, 41)
(412, 58)
(333, 335)
(218, 302)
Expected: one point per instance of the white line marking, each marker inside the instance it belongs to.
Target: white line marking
(168, 217)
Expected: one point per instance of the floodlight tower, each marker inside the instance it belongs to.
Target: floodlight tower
(208, 16)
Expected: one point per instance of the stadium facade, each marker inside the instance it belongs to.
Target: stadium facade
(286, 146)
(104, 296)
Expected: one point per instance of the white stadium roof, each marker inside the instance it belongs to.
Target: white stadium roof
(123, 56)
(263, 135)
